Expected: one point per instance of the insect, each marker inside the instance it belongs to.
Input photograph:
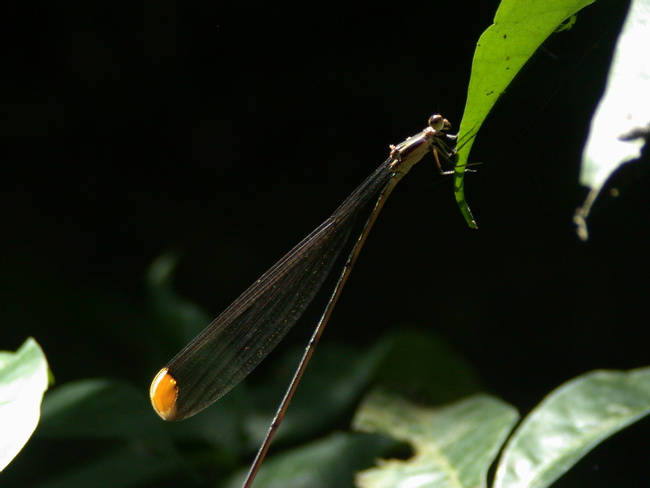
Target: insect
(242, 336)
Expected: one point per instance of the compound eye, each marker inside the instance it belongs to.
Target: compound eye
(438, 123)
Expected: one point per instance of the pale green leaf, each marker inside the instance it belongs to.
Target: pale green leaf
(570, 422)
(23, 380)
(621, 123)
(454, 446)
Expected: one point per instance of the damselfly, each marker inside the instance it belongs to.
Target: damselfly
(238, 339)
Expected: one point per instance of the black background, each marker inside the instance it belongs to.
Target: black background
(226, 133)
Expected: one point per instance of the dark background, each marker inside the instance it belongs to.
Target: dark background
(225, 133)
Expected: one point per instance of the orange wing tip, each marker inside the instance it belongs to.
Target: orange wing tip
(163, 394)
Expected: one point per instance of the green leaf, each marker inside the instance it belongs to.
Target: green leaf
(180, 319)
(127, 467)
(335, 380)
(23, 380)
(420, 364)
(454, 445)
(139, 447)
(326, 463)
(101, 408)
(519, 28)
(570, 422)
(621, 123)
